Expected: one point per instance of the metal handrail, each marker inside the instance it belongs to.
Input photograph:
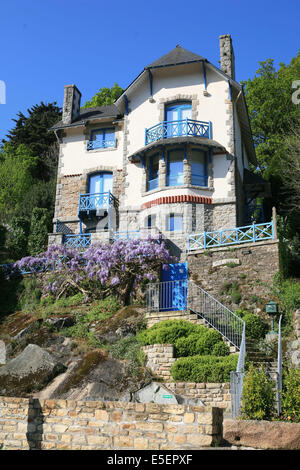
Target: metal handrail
(183, 294)
(279, 369)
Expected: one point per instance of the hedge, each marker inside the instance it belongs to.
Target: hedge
(204, 368)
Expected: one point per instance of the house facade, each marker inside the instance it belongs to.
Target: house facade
(172, 155)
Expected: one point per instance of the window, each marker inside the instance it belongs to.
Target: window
(199, 167)
(153, 172)
(100, 183)
(150, 221)
(174, 223)
(175, 168)
(102, 138)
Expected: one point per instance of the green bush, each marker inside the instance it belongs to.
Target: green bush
(204, 368)
(220, 349)
(188, 339)
(201, 342)
(129, 349)
(256, 328)
(258, 395)
(291, 395)
(166, 332)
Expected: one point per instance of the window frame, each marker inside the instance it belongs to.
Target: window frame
(205, 165)
(150, 178)
(168, 167)
(103, 142)
(173, 215)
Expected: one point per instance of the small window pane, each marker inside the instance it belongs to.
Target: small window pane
(199, 170)
(174, 223)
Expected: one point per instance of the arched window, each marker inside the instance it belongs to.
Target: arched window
(176, 115)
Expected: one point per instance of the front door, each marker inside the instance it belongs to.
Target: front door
(173, 295)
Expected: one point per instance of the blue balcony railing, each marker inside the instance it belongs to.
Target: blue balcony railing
(101, 144)
(184, 127)
(94, 201)
(130, 235)
(231, 236)
(77, 240)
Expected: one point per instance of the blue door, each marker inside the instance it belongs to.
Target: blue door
(173, 295)
(99, 186)
(176, 114)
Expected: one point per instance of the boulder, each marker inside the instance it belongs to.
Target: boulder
(276, 435)
(29, 371)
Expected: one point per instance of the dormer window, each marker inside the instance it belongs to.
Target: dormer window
(102, 139)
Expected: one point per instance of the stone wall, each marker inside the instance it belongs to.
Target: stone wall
(248, 268)
(160, 358)
(81, 425)
(210, 394)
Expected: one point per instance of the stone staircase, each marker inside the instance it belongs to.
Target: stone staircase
(260, 359)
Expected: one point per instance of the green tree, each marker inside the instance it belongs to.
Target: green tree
(18, 167)
(105, 96)
(273, 117)
(33, 131)
(17, 237)
(37, 240)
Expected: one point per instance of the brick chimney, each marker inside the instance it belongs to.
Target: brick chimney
(227, 64)
(71, 107)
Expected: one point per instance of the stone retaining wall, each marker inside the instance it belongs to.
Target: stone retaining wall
(160, 358)
(249, 266)
(81, 425)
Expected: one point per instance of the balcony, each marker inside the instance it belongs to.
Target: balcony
(101, 144)
(184, 127)
(96, 201)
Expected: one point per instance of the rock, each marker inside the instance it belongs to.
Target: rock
(29, 371)
(2, 352)
(60, 322)
(155, 392)
(262, 434)
(34, 325)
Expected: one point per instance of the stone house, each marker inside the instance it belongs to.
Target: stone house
(171, 155)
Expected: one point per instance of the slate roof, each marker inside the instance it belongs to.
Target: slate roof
(176, 56)
(87, 114)
(178, 140)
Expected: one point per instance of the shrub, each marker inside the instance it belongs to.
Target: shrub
(166, 332)
(129, 349)
(220, 349)
(257, 396)
(256, 328)
(291, 395)
(204, 368)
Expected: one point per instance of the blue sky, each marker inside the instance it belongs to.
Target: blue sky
(46, 44)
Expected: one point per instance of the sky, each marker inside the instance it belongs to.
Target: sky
(46, 44)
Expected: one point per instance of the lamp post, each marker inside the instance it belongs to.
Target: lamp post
(272, 310)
